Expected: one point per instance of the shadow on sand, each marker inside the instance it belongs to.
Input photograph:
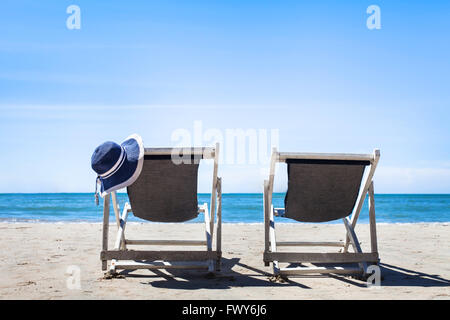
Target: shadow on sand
(227, 278)
(397, 276)
(394, 276)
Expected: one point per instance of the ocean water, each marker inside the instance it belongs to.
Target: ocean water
(236, 208)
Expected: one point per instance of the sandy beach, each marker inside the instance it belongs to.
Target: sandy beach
(35, 257)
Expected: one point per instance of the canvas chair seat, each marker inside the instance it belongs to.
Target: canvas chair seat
(164, 191)
(320, 191)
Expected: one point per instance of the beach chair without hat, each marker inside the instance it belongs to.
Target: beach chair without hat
(322, 187)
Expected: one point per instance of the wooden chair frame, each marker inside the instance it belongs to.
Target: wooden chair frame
(363, 259)
(123, 258)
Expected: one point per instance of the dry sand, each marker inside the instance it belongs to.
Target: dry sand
(35, 257)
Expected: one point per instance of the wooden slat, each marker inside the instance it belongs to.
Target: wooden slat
(207, 228)
(106, 202)
(121, 231)
(219, 218)
(117, 214)
(310, 244)
(214, 191)
(120, 238)
(208, 235)
(309, 270)
(283, 156)
(320, 257)
(206, 152)
(352, 236)
(158, 255)
(373, 228)
(273, 241)
(354, 241)
(134, 265)
(116, 207)
(273, 162)
(362, 194)
(166, 242)
(267, 198)
(266, 216)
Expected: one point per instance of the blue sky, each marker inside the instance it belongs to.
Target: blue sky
(314, 71)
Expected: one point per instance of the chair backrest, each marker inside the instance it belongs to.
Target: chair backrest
(321, 190)
(166, 191)
(325, 187)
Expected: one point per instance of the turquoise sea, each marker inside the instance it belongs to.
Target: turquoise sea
(236, 208)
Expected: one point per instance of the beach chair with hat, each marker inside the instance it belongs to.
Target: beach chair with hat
(322, 187)
(165, 190)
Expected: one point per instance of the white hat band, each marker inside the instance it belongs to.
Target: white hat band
(116, 166)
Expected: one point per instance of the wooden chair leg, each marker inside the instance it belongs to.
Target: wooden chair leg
(208, 235)
(266, 219)
(355, 244)
(273, 242)
(219, 224)
(373, 228)
(120, 238)
(106, 202)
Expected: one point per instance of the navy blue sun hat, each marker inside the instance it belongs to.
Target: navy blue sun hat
(117, 166)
